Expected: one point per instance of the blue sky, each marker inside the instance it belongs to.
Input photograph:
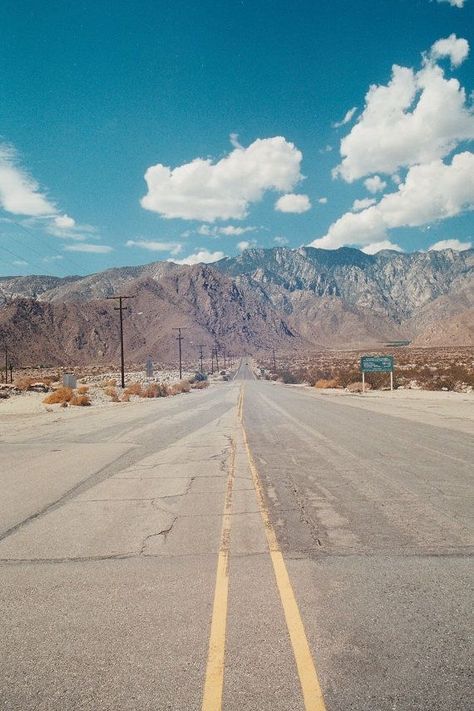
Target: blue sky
(188, 130)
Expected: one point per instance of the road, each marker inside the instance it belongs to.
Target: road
(250, 546)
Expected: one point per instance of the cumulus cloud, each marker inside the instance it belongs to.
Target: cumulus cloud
(20, 194)
(453, 47)
(280, 241)
(152, 246)
(416, 118)
(207, 191)
(362, 204)
(450, 244)
(379, 246)
(375, 184)
(323, 200)
(246, 244)
(199, 257)
(347, 118)
(293, 203)
(90, 248)
(433, 191)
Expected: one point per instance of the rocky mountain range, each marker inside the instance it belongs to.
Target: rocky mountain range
(283, 298)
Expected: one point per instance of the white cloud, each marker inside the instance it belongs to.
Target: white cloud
(323, 201)
(20, 263)
(347, 118)
(244, 245)
(208, 191)
(454, 3)
(280, 240)
(90, 248)
(362, 204)
(152, 246)
(375, 184)
(433, 191)
(199, 257)
(326, 149)
(20, 194)
(293, 203)
(450, 244)
(453, 47)
(228, 230)
(418, 117)
(234, 140)
(53, 258)
(379, 246)
(64, 222)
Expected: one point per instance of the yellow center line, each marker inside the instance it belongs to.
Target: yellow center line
(312, 693)
(212, 697)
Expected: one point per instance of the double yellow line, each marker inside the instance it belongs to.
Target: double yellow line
(310, 687)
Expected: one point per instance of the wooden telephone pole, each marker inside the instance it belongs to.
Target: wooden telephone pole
(120, 308)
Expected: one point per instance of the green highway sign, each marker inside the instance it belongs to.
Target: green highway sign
(376, 364)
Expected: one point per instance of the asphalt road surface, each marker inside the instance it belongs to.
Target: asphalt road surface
(250, 546)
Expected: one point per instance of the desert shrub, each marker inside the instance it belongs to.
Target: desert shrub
(80, 400)
(200, 385)
(327, 383)
(83, 389)
(180, 387)
(288, 377)
(134, 389)
(24, 382)
(112, 393)
(348, 376)
(60, 395)
(111, 383)
(125, 397)
(156, 390)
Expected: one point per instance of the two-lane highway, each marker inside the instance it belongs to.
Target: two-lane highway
(252, 546)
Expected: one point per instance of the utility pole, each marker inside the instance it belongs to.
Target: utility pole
(274, 359)
(212, 360)
(217, 357)
(224, 358)
(120, 308)
(179, 338)
(201, 357)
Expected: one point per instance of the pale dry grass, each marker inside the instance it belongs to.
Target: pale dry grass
(59, 396)
(80, 400)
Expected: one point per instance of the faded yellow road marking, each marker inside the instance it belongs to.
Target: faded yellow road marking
(212, 698)
(312, 694)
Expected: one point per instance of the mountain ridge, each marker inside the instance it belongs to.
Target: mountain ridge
(285, 298)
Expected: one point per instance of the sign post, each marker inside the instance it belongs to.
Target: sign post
(376, 364)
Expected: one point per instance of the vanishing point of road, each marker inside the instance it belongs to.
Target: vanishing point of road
(249, 546)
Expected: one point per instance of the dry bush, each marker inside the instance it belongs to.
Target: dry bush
(200, 385)
(156, 390)
(181, 387)
(111, 383)
(24, 382)
(83, 389)
(80, 400)
(134, 389)
(329, 383)
(112, 393)
(125, 397)
(58, 396)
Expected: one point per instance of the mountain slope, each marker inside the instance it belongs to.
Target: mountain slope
(288, 299)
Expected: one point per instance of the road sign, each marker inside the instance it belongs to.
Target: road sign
(376, 364)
